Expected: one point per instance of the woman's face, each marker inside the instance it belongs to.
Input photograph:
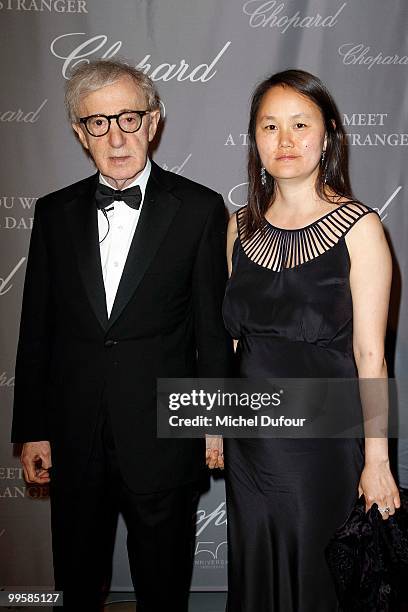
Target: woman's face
(290, 134)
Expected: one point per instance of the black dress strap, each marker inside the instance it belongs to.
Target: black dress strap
(277, 248)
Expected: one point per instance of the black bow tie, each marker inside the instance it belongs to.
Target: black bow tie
(105, 196)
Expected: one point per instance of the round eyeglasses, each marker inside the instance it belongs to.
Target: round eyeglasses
(99, 125)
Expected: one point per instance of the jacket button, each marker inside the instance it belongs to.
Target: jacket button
(110, 343)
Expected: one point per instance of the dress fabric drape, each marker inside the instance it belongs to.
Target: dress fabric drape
(289, 304)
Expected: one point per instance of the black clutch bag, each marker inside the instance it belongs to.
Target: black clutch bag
(368, 559)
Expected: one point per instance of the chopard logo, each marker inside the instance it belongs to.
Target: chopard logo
(237, 197)
(40, 6)
(210, 551)
(237, 194)
(5, 381)
(178, 169)
(20, 116)
(382, 211)
(217, 517)
(181, 71)
(5, 284)
(353, 55)
(271, 14)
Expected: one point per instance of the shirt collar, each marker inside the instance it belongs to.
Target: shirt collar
(140, 180)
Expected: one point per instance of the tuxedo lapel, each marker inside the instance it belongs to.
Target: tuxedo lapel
(82, 217)
(158, 210)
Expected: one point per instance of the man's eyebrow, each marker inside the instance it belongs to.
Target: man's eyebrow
(123, 110)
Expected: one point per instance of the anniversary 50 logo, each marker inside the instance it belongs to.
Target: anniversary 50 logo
(66, 47)
(211, 545)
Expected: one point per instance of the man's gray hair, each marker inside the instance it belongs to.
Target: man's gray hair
(89, 77)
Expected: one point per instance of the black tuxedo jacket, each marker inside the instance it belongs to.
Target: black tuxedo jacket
(73, 360)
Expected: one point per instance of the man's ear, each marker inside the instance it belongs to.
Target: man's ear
(80, 133)
(154, 119)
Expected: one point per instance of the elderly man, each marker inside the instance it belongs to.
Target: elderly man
(124, 284)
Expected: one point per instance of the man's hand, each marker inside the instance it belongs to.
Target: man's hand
(36, 460)
(214, 453)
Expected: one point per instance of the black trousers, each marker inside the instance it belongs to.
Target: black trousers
(160, 538)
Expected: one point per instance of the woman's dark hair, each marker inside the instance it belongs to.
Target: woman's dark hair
(333, 174)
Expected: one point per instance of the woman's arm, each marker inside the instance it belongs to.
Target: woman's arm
(232, 233)
(370, 281)
(214, 444)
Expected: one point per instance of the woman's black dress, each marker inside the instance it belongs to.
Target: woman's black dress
(288, 301)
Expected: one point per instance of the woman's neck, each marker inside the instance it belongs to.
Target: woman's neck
(294, 198)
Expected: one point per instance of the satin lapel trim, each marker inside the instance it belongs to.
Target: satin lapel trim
(157, 213)
(82, 216)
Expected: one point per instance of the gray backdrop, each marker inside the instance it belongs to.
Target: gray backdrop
(205, 57)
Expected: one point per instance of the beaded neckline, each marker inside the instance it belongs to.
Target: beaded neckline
(278, 248)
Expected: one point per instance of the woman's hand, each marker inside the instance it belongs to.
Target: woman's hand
(214, 453)
(378, 486)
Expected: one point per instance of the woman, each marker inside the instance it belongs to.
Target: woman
(307, 297)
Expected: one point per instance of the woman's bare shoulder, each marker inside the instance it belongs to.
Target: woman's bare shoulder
(233, 226)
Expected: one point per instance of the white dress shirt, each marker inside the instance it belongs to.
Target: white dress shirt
(115, 246)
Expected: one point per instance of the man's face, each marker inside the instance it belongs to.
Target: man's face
(119, 156)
